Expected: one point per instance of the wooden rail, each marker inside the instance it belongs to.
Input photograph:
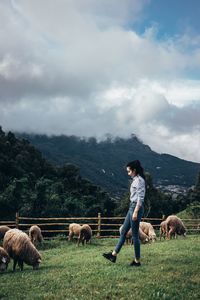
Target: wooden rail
(101, 226)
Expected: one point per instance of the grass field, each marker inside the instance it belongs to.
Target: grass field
(170, 270)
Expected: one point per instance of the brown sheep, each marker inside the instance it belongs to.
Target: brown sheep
(3, 230)
(74, 230)
(175, 226)
(148, 229)
(163, 229)
(4, 259)
(85, 234)
(20, 249)
(143, 237)
(35, 234)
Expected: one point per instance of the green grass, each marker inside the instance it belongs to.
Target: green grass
(170, 270)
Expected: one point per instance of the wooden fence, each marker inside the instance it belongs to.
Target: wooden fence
(101, 226)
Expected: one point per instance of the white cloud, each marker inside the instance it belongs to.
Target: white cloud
(75, 67)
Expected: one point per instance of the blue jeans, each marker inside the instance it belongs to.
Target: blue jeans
(134, 225)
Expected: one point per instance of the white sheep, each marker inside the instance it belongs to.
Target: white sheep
(74, 230)
(148, 229)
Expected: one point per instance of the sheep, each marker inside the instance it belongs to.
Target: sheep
(163, 229)
(35, 234)
(20, 248)
(3, 230)
(143, 237)
(4, 259)
(175, 226)
(148, 229)
(85, 234)
(74, 229)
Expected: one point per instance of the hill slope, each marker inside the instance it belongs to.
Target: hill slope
(104, 162)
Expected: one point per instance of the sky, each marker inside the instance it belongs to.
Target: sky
(92, 68)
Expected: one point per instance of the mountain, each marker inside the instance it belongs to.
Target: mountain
(104, 163)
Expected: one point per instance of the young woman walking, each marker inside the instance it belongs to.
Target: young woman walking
(134, 214)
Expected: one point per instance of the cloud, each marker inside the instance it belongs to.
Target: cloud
(78, 67)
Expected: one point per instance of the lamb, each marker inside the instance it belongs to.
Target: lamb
(20, 248)
(74, 230)
(143, 237)
(85, 234)
(3, 230)
(175, 226)
(148, 229)
(4, 259)
(35, 234)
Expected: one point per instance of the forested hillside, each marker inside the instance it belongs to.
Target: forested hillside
(104, 162)
(34, 187)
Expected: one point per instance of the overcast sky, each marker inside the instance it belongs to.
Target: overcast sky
(92, 67)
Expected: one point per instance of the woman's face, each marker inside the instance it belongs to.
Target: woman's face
(131, 172)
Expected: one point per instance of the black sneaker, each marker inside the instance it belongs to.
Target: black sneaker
(135, 264)
(110, 257)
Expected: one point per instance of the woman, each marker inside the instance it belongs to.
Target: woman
(134, 215)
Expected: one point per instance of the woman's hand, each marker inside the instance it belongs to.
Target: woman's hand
(135, 215)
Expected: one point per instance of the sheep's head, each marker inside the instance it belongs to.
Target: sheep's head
(4, 263)
(36, 264)
(152, 238)
(181, 231)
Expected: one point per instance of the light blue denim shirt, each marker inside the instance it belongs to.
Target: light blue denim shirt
(137, 190)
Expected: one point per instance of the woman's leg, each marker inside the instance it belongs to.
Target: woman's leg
(135, 234)
(125, 229)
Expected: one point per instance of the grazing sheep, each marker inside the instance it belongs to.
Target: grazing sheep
(143, 237)
(4, 259)
(20, 249)
(3, 230)
(74, 229)
(163, 229)
(175, 226)
(35, 234)
(85, 234)
(148, 229)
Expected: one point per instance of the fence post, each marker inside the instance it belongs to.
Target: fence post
(99, 226)
(17, 220)
(163, 217)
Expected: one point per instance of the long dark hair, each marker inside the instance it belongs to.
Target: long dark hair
(136, 165)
